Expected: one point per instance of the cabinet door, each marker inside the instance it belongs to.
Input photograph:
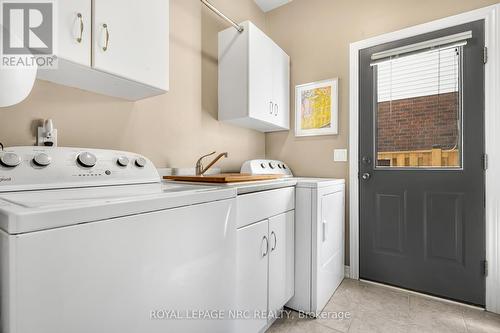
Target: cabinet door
(281, 260)
(74, 31)
(281, 87)
(252, 262)
(260, 76)
(131, 40)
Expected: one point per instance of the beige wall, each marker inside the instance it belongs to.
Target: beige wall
(173, 129)
(316, 34)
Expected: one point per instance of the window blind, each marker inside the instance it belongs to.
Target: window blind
(426, 73)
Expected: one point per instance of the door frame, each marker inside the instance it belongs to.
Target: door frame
(491, 16)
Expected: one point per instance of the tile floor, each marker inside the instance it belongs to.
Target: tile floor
(374, 308)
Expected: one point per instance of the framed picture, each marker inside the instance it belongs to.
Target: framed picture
(317, 108)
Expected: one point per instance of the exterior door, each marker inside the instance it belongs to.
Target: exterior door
(422, 179)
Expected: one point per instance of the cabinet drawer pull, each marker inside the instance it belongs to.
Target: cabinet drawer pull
(266, 252)
(275, 241)
(106, 42)
(276, 108)
(271, 107)
(80, 17)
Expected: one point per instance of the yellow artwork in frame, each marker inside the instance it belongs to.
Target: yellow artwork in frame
(316, 108)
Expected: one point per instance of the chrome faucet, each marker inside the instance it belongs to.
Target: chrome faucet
(200, 170)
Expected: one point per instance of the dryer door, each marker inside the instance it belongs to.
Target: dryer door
(330, 244)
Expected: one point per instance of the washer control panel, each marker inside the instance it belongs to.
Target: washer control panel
(31, 168)
(266, 167)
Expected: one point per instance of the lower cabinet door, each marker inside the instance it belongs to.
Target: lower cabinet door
(281, 260)
(252, 261)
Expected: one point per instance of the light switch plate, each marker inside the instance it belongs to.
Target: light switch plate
(340, 155)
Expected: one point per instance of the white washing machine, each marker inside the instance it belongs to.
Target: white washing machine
(92, 241)
(319, 235)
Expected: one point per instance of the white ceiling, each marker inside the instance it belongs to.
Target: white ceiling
(268, 5)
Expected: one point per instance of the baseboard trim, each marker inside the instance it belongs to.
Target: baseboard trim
(347, 272)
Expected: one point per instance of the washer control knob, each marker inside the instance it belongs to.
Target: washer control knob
(42, 160)
(140, 162)
(272, 165)
(87, 160)
(122, 161)
(10, 160)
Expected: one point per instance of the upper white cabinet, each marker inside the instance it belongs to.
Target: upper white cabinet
(112, 48)
(281, 88)
(74, 32)
(131, 40)
(254, 80)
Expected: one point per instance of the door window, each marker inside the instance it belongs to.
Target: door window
(418, 109)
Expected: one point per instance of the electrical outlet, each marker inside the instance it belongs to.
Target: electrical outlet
(340, 155)
(47, 134)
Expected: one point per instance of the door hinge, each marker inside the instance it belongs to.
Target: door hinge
(485, 267)
(485, 162)
(485, 55)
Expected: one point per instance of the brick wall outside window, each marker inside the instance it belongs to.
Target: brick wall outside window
(419, 123)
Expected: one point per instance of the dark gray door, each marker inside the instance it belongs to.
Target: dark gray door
(422, 185)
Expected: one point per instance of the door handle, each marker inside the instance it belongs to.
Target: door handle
(366, 176)
(80, 17)
(266, 248)
(271, 107)
(275, 241)
(276, 107)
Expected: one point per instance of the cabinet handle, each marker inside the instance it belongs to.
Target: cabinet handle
(267, 246)
(106, 43)
(276, 108)
(80, 17)
(275, 241)
(271, 107)
(324, 230)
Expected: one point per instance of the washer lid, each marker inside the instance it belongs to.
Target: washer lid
(318, 182)
(28, 211)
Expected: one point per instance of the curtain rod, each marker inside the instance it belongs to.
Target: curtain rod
(218, 12)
